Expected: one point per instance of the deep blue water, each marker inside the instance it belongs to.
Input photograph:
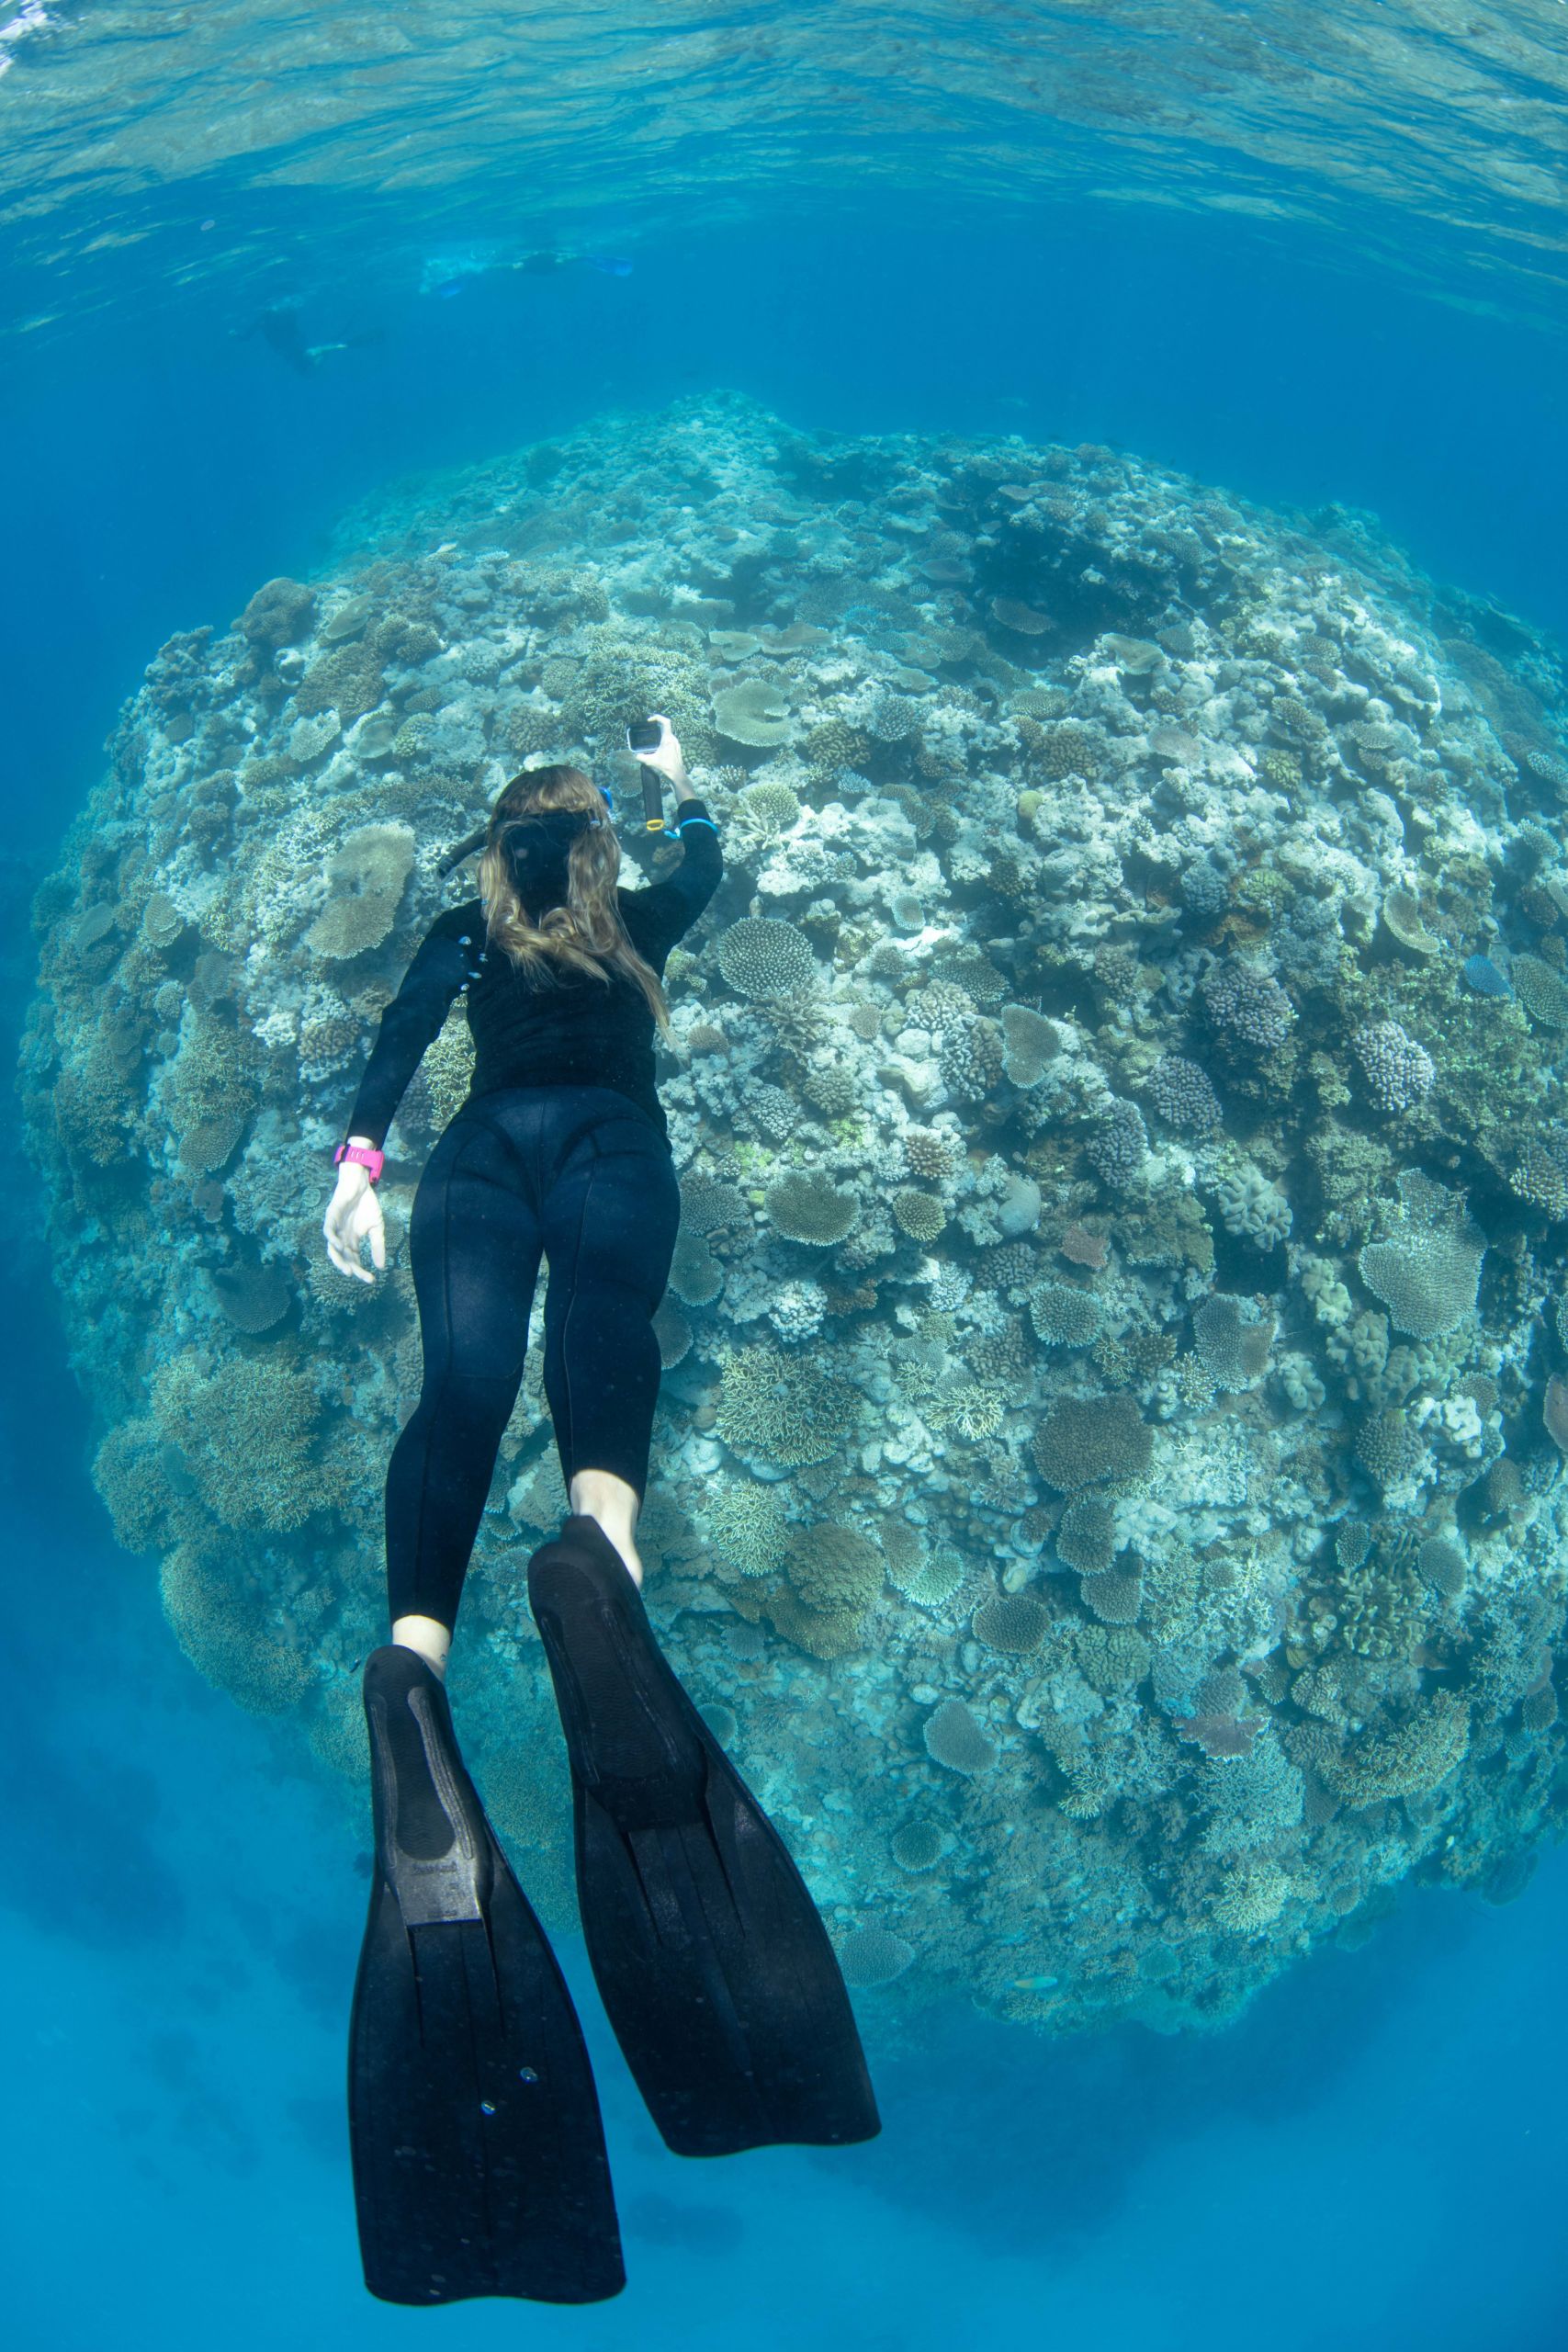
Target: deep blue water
(159, 467)
(1375, 2157)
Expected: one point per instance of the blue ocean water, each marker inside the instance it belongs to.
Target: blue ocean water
(1368, 316)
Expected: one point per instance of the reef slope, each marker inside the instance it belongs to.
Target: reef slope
(1108, 1473)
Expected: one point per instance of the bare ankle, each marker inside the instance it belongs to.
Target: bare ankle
(613, 1505)
(623, 1543)
(428, 1637)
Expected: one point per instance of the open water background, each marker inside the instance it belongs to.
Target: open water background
(1315, 285)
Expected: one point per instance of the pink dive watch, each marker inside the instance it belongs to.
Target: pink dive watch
(374, 1161)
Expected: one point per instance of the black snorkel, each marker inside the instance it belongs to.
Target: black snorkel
(554, 830)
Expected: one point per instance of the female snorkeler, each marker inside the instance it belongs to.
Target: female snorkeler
(479, 2158)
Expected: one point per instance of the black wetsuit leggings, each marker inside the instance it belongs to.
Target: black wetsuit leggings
(583, 1177)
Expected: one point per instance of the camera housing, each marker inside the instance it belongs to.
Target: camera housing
(644, 735)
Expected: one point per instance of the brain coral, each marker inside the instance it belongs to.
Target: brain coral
(761, 957)
(1133, 880)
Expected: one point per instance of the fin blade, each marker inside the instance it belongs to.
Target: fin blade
(716, 1973)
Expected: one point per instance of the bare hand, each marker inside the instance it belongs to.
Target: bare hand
(666, 755)
(353, 1216)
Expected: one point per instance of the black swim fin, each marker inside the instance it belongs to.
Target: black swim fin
(479, 2157)
(713, 1963)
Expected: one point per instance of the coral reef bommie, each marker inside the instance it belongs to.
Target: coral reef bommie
(1005, 1433)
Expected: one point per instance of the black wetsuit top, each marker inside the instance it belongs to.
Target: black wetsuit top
(573, 1032)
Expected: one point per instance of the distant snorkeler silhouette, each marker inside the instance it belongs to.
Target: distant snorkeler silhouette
(279, 328)
(446, 273)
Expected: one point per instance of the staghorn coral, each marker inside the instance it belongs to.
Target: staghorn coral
(1443, 1565)
(784, 1409)
(1030, 1043)
(917, 1845)
(695, 1275)
(1232, 1339)
(243, 1431)
(1086, 1539)
(833, 1567)
(746, 1527)
(673, 1334)
(769, 805)
(707, 1202)
(219, 1620)
(933, 1153)
(1542, 991)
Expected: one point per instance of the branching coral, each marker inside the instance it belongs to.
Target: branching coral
(784, 1409)
(1405, 1760)
(1015, 1622)
(921, 1215)
(763, 958)
(1064, 1317)
(218, 1619)
(243, 1431)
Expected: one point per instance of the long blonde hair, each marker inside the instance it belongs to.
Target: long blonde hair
(585, 933)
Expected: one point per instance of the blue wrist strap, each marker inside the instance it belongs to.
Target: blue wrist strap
(684, 821)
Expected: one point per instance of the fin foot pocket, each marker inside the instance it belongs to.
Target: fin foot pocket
(714, 1965)
(478, 2155)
